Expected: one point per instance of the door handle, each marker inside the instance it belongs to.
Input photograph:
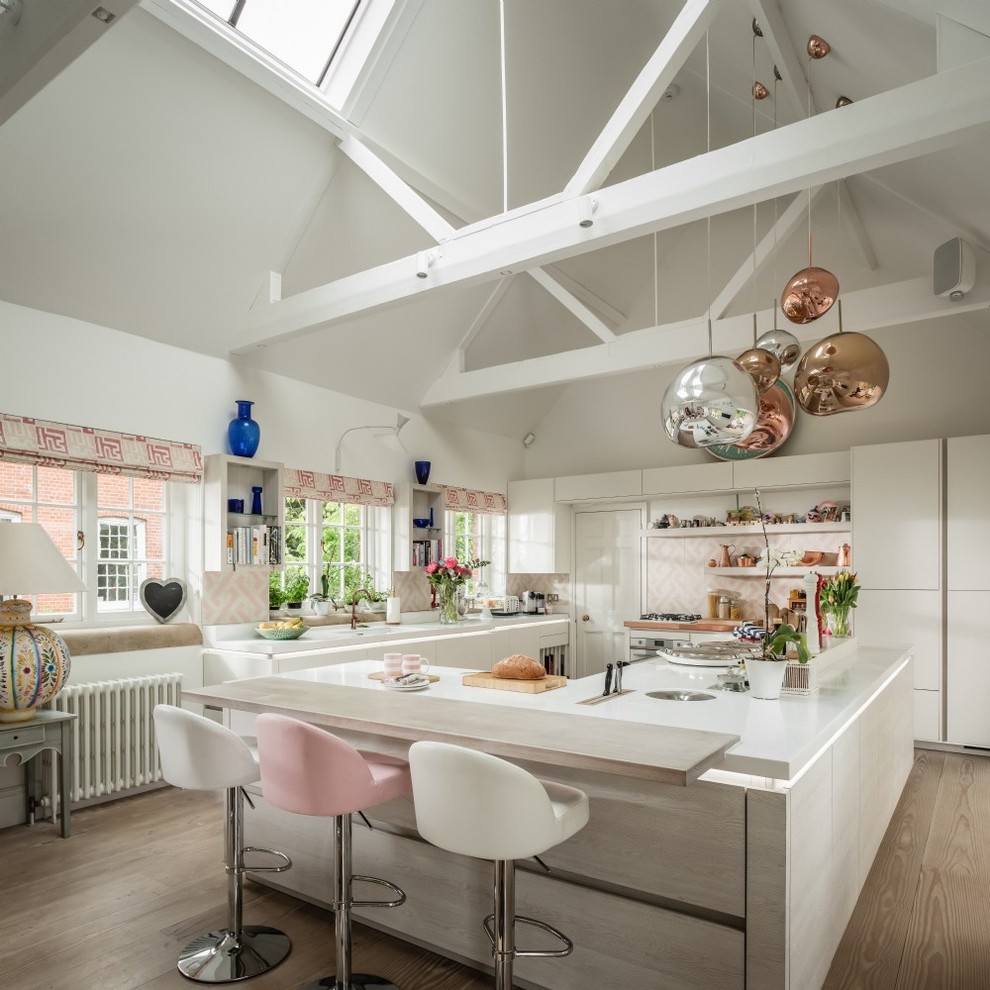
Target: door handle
(585, 618)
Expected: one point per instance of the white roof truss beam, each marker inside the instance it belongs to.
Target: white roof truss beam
(573, 304)
(922, 117)
(655, 77)
(676, 343)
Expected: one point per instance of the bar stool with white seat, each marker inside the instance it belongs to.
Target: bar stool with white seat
(307, 770)
(479, 805)
(200, 754)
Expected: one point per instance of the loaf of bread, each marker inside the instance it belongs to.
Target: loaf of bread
(519, 668)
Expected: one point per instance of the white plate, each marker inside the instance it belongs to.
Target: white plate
(416, 685)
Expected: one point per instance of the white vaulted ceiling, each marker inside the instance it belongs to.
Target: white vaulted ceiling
(154, 184)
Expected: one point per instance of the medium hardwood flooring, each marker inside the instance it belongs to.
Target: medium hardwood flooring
(110, 908)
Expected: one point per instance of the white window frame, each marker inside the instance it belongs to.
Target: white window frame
(490, 543)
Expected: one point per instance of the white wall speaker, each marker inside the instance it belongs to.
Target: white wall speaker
(953, 269)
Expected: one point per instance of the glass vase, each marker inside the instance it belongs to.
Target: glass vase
(243, 433)
(838, 622)
(447, 604)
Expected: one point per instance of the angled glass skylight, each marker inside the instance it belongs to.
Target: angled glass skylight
(303, 34)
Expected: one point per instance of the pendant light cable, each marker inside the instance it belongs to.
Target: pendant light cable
(708, 113)
(656, 233)
(505, 116)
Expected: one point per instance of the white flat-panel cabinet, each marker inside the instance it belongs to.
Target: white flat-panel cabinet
(539, 529)
(473, 649)
(968, 669)
(612, 484)
(905, 618)
(519, 639)
(967, 513)
(688, 478)
(897, 503)
(796, 471)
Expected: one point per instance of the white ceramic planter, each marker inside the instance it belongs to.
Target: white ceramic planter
(766, 678)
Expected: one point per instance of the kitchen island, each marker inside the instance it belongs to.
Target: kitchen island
(728, 840)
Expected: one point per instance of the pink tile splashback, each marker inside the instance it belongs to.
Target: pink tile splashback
(678, 579)
(235, 596)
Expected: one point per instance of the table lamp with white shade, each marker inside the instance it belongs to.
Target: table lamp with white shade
(34, 660)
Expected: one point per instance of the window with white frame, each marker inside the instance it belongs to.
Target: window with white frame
(345, 543)
(116, 531)
(479, 536)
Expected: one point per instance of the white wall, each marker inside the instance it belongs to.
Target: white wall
(937, 381)
(74, 372)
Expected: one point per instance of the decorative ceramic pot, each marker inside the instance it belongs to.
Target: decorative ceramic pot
(243, 433)
(766, 678)
(447, 603)
(35, 668)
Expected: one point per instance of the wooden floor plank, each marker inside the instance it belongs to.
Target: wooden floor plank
(141, 877)
(869, 954)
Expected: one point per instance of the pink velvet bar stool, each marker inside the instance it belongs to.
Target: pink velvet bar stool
(309, 771)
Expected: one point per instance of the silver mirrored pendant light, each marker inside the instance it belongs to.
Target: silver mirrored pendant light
(712, 400)
(841, 373)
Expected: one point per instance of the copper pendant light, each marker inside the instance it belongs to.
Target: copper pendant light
(811, 292)
(761, 365)
(773, 427)
(841, 373)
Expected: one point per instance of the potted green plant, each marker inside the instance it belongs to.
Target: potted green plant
(296, 587)
(276, 595)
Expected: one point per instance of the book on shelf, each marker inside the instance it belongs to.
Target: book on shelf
(253, 545)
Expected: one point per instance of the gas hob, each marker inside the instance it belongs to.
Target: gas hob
(670, 617)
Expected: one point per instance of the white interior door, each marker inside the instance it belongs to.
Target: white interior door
(607, 577)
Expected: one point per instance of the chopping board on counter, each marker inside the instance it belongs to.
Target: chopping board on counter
(484, 679)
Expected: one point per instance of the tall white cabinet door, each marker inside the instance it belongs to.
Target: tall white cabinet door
(607, 571)
(968, 677)
(539, 529)
(967, 513)
(905, 618)
(897, 502)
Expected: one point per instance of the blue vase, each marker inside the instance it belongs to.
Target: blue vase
(256, 501)
(422, 472)
(243, 433)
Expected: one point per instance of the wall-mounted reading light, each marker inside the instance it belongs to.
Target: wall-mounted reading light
(391, 433)
(587, 206)
(529, 440)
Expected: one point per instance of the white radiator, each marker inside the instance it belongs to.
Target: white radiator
(114, 747)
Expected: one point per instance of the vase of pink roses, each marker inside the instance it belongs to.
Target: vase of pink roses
(447, 576)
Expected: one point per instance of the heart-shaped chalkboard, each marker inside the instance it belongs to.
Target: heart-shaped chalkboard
(163, 599)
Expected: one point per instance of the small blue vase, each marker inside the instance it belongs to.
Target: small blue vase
(243, 433)
(422, 472)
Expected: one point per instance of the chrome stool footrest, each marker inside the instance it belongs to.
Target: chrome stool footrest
(268, 852)
(534, 923)
(384, 883)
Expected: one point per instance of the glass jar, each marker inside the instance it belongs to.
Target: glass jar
(724, 607)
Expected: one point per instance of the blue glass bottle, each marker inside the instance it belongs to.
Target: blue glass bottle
(243, 433)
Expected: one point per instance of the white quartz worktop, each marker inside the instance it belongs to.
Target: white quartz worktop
(242, 638)
(775, 738)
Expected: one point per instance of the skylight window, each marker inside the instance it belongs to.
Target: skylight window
(303, 34)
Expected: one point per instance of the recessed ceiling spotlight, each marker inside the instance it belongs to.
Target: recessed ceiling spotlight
(671, 92)
(529, 440)
(104, 15)
(842, 101)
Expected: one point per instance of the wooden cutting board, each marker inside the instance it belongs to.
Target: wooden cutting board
(487, 680)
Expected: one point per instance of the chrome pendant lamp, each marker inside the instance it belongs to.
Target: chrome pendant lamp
(713, 400)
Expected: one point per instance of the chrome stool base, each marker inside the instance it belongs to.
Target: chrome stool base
(359, 981)
(220, 957)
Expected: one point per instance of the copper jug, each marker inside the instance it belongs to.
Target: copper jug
(724, 560)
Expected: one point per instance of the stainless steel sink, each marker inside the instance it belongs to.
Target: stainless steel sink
(681, 695)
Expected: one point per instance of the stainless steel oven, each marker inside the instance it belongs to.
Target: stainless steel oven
(645, 647)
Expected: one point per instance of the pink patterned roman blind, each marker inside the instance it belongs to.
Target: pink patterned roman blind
(297, 483)
(82, 448)
(469, 500)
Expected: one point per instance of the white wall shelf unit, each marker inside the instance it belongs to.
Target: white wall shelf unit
(777, 572)
(224, 477)
(679, 532)
(414, 546)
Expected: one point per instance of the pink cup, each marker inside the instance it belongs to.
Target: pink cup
(413, 663)
(393, 664)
